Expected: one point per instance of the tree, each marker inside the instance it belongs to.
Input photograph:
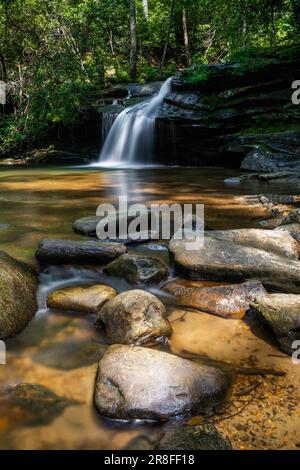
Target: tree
(133, 40)
(171, 15)
(186, 38)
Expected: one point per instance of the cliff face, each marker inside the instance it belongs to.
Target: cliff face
(232, 114)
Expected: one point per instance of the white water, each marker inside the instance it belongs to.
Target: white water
(131, 137)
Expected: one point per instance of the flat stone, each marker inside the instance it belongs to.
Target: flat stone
(204, 437)
(228, 301)
(134, 317)
(138, 269)
(282, 313)
(221, 259)
(140, 383)
(83, 299)
(55, 251)
(18, 286)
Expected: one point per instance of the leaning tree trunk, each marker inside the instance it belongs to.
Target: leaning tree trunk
(133, 41)
(168, 36)
(186, 38)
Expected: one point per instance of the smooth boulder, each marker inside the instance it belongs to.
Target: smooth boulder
(221, 259)
(83, 299)
(134, 317)
(18, 286)
(282, 313)
(140, 383)
(138, 269)
(55, 251)
(228, 301)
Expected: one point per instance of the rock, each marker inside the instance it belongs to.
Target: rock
(55, 251)
(221, 259)
(261, 159)
(138, 269)
(134, 317)
(282, 313)
(225, 301)
(18, 286)
(86, 226)
(204, 437)
(292, 229)
(140, 383)
(83, 299)
(37, 404)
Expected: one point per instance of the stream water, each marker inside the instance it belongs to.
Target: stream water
(61, 351)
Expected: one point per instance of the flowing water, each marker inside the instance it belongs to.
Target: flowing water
(60, 351)
(131, 137)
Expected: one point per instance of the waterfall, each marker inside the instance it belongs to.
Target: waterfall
(131, 136)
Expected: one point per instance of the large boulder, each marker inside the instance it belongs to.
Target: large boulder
(18, 286)
(134, 317)
(222, 259)
(282, 313)
(261, 159)
(141, 383)
(55, 251)
(138, 269)
(83, 299)
(228, 301)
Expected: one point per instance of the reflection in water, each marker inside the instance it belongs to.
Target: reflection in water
(59, 350)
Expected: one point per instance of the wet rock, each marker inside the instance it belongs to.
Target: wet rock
(222, 259)
(86, 226)
(55, 251)
(37, 404)
(292, 229)
(204, 437)
(282, 313)
(138, 269)
(83, 299)
(226, 301)
(134, 317)
(280, 177)
(141, 383)
(18, 286)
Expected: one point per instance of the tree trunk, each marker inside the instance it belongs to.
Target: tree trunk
(186, 38)
(168, 36)
(145, 9)
(133, 41)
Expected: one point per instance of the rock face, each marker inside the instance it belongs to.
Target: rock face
(282, 313)
(134, 317)
(18, 285)
(264, 160)
(204, 437)
(55, 251)
(292, 229)
(222, 259)
(140, 383)
(226, 301)
(138, 269)
(83, 299)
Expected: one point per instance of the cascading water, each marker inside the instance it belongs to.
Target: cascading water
(131, 137)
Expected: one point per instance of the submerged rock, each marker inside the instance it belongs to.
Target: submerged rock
(204, 437)
(138, 269)
(134, 317)
(141, 383)
(37, 404)
(226, 301)
(222, 259)
(84, 299)
(282, 313)
(55, 251)
(18, 286)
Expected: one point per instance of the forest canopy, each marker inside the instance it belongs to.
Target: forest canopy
(54, 53)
